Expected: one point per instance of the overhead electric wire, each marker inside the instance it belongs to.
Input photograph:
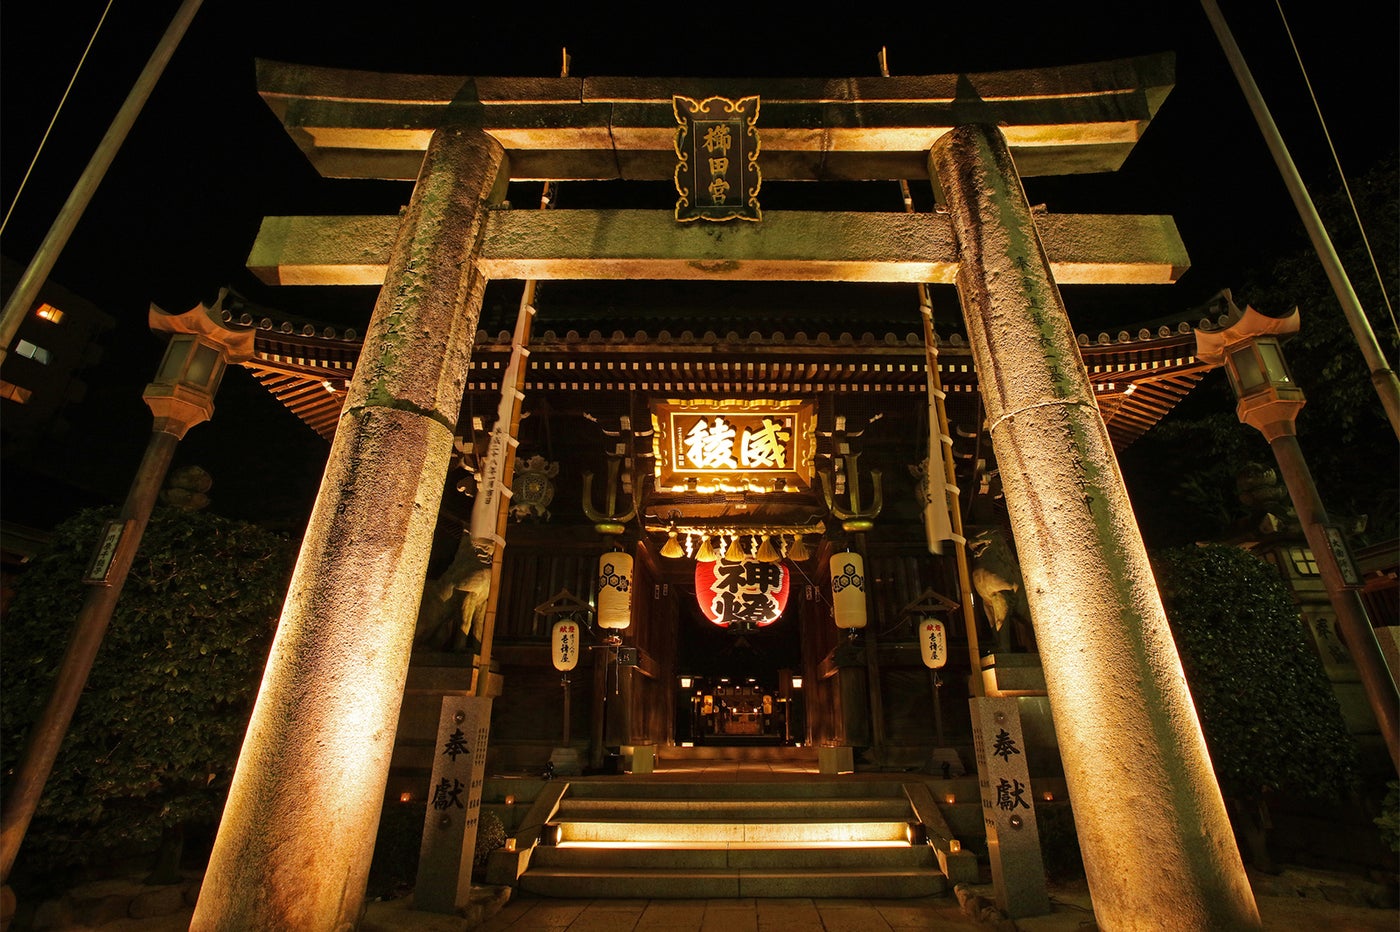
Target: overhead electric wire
(54, 119)
(1385, 295)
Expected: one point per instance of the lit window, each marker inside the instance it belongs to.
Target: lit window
(12, 392)
(48, 312)
(30, 351)
(1304, 563)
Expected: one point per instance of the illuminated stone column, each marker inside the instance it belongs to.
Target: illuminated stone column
(1157, 845)
(293, 849)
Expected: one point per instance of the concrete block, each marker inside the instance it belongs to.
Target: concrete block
(836, 760)
(638, 758)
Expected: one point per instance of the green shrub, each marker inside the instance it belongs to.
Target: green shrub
(156, 734)
(1269, 715)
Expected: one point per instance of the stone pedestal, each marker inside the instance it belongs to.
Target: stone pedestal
(1013, 675)
(567, 762)
(836, 760)
(638, 758)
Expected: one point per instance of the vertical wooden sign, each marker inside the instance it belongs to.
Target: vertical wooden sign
(1008, 808)
(454, 805)
(717, 173)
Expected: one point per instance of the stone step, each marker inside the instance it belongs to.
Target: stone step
(729, 831)
(733, 857)
(809, 788)
(749, 810)
(689, 883)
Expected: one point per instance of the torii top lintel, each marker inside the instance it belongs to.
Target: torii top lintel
(1065, 120)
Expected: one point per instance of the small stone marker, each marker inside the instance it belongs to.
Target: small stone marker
(1008, 809)
(454, 806)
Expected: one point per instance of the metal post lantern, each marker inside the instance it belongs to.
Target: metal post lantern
(848, 590)
(615, 590)
(564, 637)
(933, 643)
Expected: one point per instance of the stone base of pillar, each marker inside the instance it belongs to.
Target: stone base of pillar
(1013, 675)
(566, 762)
(836, 760)
(638, 758)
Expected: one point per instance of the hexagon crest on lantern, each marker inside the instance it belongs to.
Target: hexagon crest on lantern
(615, 590)
(848, 590)
(747, 593)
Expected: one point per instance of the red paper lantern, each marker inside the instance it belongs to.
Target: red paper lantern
(744, 592)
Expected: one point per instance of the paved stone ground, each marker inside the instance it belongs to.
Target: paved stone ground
(1306, 909)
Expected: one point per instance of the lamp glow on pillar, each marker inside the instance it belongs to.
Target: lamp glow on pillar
(848, 590)
(933, 643)
(564, 638)
(615, 590)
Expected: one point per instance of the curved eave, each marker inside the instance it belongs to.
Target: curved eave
(1137, 379)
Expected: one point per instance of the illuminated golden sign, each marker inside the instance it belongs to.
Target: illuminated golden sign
(717, 173)
(733, 445)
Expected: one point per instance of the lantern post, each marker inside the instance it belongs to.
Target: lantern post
(1269, 401)
(181, 396)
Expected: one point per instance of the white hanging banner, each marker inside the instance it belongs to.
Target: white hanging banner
(615, 590)
(494, 478)
(938, 522)
(848, 590)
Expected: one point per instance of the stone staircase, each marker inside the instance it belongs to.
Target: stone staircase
(658, 840)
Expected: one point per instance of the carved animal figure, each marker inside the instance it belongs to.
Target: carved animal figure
(465, 585)
(996, 576)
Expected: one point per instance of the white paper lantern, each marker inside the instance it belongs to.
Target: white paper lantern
(615, 590)
(848, 590)
(565, 638)
(933, 643)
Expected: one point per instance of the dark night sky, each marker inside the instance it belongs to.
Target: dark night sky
(177, 213)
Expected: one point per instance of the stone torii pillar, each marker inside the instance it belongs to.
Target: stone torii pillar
(1157, 845)
(294, 847)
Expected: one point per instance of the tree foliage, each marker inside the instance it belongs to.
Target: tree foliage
(156, 734)
(1269, 715)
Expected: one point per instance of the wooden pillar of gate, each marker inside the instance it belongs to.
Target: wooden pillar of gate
(1158, 849)
(294, 847)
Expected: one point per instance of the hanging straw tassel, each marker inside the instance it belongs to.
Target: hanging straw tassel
(798, 551)
(672, 547)
(706, 553)
(766, 553)
(735, 553)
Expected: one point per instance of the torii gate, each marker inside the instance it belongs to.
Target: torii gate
(294, 847)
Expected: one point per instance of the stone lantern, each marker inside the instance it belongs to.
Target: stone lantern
(181, 396)
(1251, 351)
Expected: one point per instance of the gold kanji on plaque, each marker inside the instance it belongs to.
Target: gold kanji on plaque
(717, 172)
